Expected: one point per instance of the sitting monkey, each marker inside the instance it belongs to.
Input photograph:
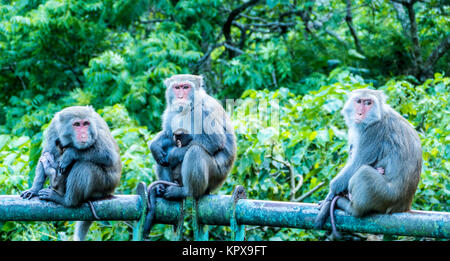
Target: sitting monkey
(50, 166)
(180, 139)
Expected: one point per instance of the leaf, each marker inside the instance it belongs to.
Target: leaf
(356, 54)
(312, 135)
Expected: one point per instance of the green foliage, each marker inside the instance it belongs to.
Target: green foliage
(295, 59)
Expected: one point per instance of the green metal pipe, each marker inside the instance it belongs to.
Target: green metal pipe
(121, 207)
(216, 210)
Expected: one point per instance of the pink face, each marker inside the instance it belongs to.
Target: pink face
(362, 107)
(181, 91)
(81, 128)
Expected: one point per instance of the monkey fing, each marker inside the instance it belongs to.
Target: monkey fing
(384, 164)
(204, 162)
(80, 153)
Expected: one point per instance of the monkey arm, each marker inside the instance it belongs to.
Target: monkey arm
(176, 155)
(213, 136)
(157, 148)
(106, 156)
(340, 183)
(38, 182)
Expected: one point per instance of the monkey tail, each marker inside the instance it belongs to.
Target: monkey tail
(151, 210)
(93, 210)
(151, 191)
(335, 234)
(323, 214)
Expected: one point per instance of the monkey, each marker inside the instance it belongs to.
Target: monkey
(50, 168)
(180, 138)
(206, 162)
(90, 161)
(385, 160)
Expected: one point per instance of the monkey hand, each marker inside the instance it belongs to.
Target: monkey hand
(66, 159)
(160, 190)
(48, 195)
(29, 193)
(160, 156)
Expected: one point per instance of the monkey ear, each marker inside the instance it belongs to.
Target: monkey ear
(382, 97)
(201, 82)
(91, 108)
(167, 82)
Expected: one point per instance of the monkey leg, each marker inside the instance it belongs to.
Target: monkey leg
(81, 229)
(86, 181)
(38, 183)
(163, 173)
(323, 214)
(195, 171)
(369, 191)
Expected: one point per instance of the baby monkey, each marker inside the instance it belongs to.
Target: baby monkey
(171, 176)
(180, 139)
(50, 166)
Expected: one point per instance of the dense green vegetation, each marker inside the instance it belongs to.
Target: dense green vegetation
(298, 59)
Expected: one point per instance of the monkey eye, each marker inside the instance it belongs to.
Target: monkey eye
(186, 87)
(86, 123)
(368, 102)
(358, 101)
(76, 124)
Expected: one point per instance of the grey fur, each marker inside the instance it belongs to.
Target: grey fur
(93, 168)
(384, 139)
(207, 161)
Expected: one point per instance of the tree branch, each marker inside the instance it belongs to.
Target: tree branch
(437, 53)
(440, 50)
(11, 68)
(349, 21)
(417, 56)
(226, 29)
(293, 174)
(307, 194)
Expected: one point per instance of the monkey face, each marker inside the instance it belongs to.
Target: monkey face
(181, 90)
(76, 126)
(362, 108)
(81, 128)
(83, 137)
(182, 98)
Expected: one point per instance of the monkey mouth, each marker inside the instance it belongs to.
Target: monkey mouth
(181, 105)
(84, 138)
(359, 118)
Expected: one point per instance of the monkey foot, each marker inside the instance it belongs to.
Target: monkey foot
(28, 194)
(173, 192)
(160, 190)
(49, 195)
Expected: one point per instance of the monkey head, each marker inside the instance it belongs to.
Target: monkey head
(181, 90)
(181, 137)
(76, 127)
(364, 107)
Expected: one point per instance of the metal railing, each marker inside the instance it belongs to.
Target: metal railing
(235, 211)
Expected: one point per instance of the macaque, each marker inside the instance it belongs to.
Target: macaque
(383, 169)
(207, 161)
(208, 156)
(79, 144)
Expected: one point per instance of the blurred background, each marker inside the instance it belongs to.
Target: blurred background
(305, 55)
